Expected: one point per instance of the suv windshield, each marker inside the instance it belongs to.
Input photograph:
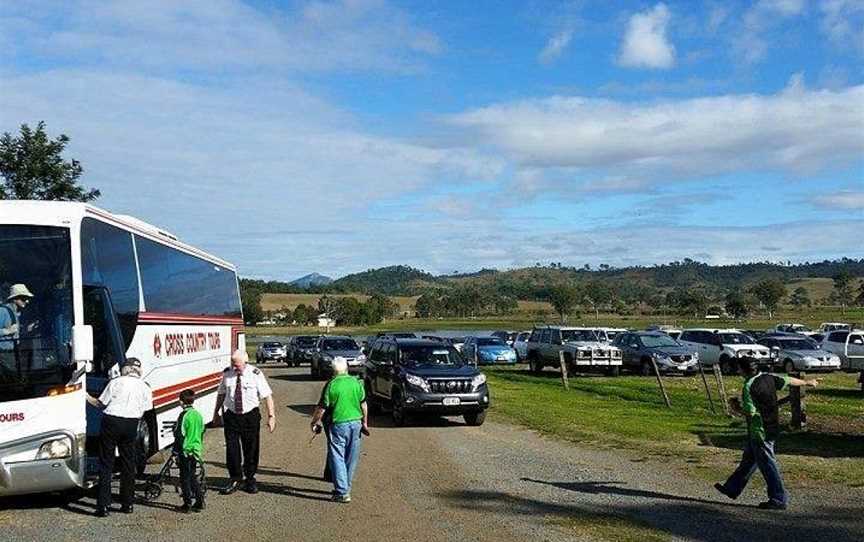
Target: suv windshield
(272, 345)
(305, 342)
(490, 341)
(568, 335)
(429, 355)
(35, 356)
(735, 338)
(657, 341)
(798, 344)
(339, 344)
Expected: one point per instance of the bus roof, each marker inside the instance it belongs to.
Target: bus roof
(64, 213)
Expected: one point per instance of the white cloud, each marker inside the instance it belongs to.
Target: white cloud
(646, 44)
(676, 138)
(843, 22)
(846, 200)
(750, 42)
(555, 46)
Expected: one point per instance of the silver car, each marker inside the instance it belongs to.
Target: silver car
(332, 348)
(798, 353)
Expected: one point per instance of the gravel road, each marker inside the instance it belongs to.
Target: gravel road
(442, 480)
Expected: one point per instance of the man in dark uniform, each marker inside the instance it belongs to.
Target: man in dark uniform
(759, 405)
(240, 392)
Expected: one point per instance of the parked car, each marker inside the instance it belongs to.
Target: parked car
(414, 376)
(799, 353)
(270, 351)
(828, 327)
(672, 331)
(488, 351)
(332, 348)
(725, 346)
(794, 328)
(584, 349)
(302, 349)
(638, 348)
(613, 332)
(458, 343)
(849, 347)
(506, 336)
(520, 345)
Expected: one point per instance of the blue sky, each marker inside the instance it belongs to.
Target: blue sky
(335, 136)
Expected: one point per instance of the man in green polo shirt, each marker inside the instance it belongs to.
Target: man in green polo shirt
(759, 405)
(344, 399)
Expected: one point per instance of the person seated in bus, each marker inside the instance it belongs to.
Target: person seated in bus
(10, 329)
(189, 447)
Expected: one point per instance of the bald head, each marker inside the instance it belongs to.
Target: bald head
(239, 359)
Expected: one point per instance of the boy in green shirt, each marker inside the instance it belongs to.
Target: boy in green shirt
(189, 447)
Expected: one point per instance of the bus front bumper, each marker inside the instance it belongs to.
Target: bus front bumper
(41, 475)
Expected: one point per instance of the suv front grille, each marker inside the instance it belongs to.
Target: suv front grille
(450, 386)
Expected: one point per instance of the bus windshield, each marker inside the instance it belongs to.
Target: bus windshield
(35, 310)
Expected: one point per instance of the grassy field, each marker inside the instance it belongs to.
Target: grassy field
(628, 413)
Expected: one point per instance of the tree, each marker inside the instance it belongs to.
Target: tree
(32, 167)
(563, 298)
(800, 297)
(769, 292)
(843, 288)
(250, 298)
(597, 294)
(737, 304)
(860, 298)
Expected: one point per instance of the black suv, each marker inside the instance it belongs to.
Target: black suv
(415, 376)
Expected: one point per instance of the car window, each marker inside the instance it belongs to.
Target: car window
(856, 339)
(688, 336)
(838, 336)
(544, 336)
(555, 336)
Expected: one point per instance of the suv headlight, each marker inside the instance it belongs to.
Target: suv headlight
(478, 381)
(417, 382)
(55, 449)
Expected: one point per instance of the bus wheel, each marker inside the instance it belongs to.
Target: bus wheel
(143, 445)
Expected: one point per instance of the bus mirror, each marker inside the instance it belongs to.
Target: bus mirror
(82, 343)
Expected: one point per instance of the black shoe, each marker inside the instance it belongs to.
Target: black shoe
(126, 509)
(232, 486)
(199, 506)
(185, 508)
(722, 489)
(772, 505)
(251, 486)
(102, 512)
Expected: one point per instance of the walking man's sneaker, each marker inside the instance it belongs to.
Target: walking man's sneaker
(199, 506)
(722, 489)
(772, 505)
(232, 486)
(185, 508)
(251, 486)
(344, 499)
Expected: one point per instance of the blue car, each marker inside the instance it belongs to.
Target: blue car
(488, 351)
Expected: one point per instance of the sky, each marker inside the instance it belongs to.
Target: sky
(296, 136)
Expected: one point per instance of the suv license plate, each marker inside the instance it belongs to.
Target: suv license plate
(451, 401)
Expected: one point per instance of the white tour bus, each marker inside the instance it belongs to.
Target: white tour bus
(105, 288)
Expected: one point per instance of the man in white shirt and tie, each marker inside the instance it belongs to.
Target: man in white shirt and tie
(240, 393)
(123, 402)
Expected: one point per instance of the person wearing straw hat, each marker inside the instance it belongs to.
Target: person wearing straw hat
(10, 316)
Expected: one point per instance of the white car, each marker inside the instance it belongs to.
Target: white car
(800, 329)
(521, 345)
(725, 346)
(849, 347)
(828, 327)
(612, 332)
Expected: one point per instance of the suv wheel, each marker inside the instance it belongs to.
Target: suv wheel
(475, 418)
(535, 365)
(790, 367)
(400, 416)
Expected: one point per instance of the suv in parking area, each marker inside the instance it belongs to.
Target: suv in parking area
(640, 347)
(414, 376)
(584, 349)
(332, 348)
(270, 351)
(849, 347)
(726, 347)
(301, 349)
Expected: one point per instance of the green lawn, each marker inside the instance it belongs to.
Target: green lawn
(628, 413)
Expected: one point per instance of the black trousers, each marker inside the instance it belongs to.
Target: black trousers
(242, 431)
(189, 485)
(117, 433)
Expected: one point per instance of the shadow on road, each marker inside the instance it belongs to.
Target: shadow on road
(685, 518)
(617, 488)
(305, 377)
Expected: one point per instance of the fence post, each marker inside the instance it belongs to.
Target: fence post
(563, 364)
(707, 389)
(721, 386)
(799, 406)
(660, 382)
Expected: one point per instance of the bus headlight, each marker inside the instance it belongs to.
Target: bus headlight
(55, 449)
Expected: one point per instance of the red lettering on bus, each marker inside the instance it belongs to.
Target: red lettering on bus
(11, 417)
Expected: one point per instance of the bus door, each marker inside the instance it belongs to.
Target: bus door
(108, 350)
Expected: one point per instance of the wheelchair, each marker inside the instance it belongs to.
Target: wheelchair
(170, 474)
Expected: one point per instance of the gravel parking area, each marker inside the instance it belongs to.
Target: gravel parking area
(442, 480)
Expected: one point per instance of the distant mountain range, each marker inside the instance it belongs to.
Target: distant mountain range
(311, 280)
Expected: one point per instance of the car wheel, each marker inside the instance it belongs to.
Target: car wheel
(790, 367)
(475, 418)
(726, 365)
(400, 416)
(645, 368)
